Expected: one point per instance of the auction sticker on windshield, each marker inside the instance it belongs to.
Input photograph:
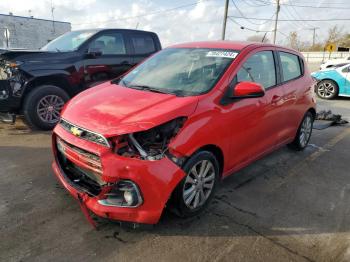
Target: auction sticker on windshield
(225, 54)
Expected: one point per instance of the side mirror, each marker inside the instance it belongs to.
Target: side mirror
(94, 52)
(248, 90)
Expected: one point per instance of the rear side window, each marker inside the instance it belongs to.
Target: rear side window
(259, 68)
(290, 66)
(110, 44)
(143, 44)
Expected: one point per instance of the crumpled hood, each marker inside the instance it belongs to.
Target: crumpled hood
(112, 110)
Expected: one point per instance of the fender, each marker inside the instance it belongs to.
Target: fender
(60, 78)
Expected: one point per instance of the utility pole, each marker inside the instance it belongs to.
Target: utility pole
(225, 20)
(53, 17)
(276, 20)
(314, 35)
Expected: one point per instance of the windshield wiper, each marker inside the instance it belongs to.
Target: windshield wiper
(155, 90)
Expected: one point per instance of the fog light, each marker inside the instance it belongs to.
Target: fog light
(129, 198)
(124, 194)
(4, 94)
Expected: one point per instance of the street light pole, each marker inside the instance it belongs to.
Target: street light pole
(276, 20)
(225, 20)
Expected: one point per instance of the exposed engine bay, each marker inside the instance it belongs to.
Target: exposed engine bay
(151, 144)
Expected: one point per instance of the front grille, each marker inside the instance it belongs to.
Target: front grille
(81, 176)
(84, 133)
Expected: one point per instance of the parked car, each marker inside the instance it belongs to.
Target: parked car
(166, 132)
(333, 62)
(333, 82)
(38, 83)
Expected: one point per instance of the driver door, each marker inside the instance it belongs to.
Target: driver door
(256, 122)
(114, 58)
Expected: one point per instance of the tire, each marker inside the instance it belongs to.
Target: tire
(304, 132)
(44, 102)
(188, 208)
(327, 89)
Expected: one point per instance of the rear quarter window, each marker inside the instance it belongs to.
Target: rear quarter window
(291, 67)
(143, 44)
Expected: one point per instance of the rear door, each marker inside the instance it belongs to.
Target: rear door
(115, 57)
(345, 73)
(143, 44)
(294, 86)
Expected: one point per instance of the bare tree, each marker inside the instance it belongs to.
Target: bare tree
(334, 35)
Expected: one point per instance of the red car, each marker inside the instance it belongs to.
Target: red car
(166, 132)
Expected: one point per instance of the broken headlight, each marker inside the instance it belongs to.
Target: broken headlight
(151, 144)
(124, 194)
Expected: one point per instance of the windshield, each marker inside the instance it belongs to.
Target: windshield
(69, 41)
(183, 71)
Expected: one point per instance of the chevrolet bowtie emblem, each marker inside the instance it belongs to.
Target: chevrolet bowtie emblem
(76, 131)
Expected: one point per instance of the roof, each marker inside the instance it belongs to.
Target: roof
(27, 17)
(221, 44)
(110, 29)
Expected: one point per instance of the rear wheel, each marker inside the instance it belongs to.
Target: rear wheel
(43, 105)
(327, 89)
(196, 190)
(303, 135)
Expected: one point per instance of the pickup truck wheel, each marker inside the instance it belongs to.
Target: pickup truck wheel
(43, 105)
(197, 188)
(327, 89)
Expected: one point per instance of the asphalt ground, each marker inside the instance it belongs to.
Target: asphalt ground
(288, 206)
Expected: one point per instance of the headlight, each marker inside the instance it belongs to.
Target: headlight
(151, 144)
(8, 69)
(124, 194)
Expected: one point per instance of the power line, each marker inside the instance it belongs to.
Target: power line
(288, 20)
(241, 13)
(297, 16)
(314, 6)
(247, 28)
(254, 5)
(148, 14)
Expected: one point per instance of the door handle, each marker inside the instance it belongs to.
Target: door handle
(125, 63)
(275, 99)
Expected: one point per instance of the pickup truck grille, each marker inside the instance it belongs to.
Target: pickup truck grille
(84, 133)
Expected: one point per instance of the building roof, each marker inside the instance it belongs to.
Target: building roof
(27, 17)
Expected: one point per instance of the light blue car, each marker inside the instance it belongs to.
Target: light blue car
(333, 82)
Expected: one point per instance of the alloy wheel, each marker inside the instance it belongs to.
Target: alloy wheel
(199, 184)
(305, 131)
(326, 89)
(49, 108)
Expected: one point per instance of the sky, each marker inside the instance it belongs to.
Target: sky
(189, 20)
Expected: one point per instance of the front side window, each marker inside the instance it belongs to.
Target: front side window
(143, 44)
(183, 71)
(290, 66)
(111, 44)
(259, 68)
(69, 41)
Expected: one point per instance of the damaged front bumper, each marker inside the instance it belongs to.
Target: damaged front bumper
(155, 180)
(9, 101)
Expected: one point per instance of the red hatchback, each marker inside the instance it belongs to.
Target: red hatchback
(166, 132)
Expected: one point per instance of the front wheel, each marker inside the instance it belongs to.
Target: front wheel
(196, 189)
(43, 105)
(303, 135)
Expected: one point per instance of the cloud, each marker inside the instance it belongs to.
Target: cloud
(190, 23)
